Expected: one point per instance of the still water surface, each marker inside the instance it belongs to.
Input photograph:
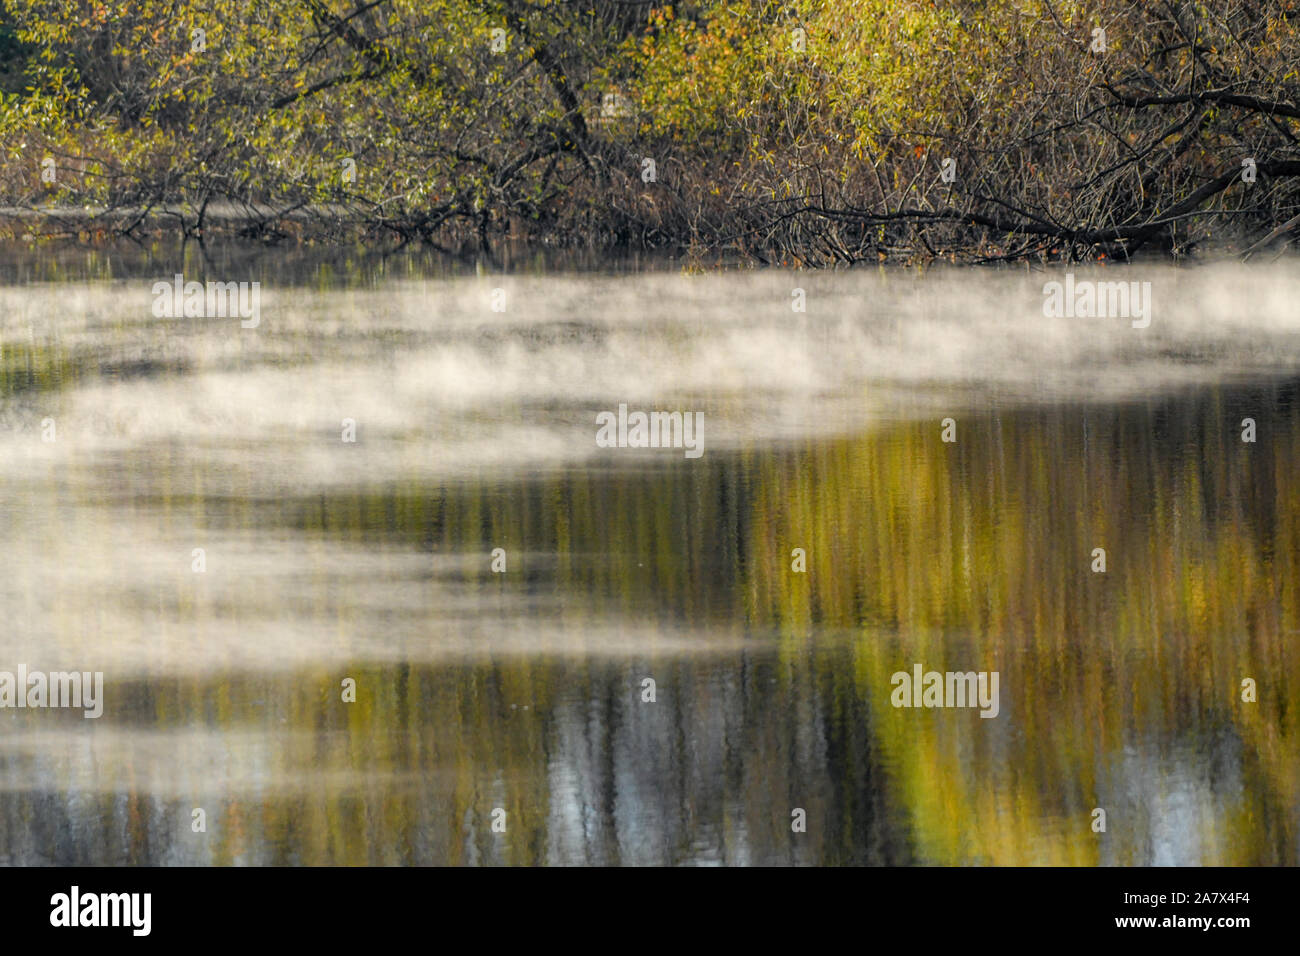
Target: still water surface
(475, 430)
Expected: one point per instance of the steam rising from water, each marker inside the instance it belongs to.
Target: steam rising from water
(444, 389)
(441, 385)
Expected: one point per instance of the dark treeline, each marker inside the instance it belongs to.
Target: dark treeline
(813, 132)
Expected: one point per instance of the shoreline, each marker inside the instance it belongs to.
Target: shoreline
(337, 226)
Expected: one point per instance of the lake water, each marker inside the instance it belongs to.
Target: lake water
(128, 441)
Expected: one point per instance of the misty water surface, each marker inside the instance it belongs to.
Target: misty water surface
(475, 430)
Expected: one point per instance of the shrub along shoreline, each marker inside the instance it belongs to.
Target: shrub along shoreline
(818, 132)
